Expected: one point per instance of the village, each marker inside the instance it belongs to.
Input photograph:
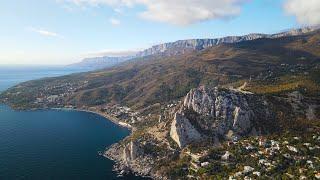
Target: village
(56, 94)
(286, 157)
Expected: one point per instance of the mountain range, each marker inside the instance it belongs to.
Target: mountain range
(181, 47)
(99, 62)
(203, 109)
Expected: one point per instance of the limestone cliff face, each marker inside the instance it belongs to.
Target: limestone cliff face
(216, 113)
(182, 131)
(130, 152)
(181, 46)
(130, 157)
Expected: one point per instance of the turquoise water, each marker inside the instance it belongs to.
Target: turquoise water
(53, 144)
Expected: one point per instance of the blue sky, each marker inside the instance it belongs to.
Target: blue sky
(64, 31)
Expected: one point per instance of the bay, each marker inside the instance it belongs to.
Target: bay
(53, 144)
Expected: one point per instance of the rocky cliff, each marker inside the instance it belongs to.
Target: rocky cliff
(182, 131)
(181, 46)
(220, 114)
(130, 157)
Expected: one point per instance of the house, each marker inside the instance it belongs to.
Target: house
(226, 156)
(262, 141)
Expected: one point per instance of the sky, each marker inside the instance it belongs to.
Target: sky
(65, 31)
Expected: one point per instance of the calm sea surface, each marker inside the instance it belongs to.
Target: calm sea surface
(12, 75)
(52, 144)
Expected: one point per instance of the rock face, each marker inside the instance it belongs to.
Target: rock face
(130, 157)
(303, 106)
(130, 152)
(181, 46)
(182, 131)
(219, 113)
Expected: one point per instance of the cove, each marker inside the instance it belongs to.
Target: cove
(56, 144)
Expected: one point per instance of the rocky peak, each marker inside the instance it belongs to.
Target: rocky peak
(215, 113)
(182, 46)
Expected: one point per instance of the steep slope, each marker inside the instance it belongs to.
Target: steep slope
(183, 46)
(196, 131)
(183, 107)
(99, 62)
(156, 79)
(221, 114)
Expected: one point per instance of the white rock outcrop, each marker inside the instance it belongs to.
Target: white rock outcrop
(130, 152)
(215, 112)
(182, 132)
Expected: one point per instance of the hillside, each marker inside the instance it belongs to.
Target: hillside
(203, 113)
(99, 62)
(159, 79)
(182, 46)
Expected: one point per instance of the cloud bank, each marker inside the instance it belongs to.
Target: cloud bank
(307, 12)
(177, 12)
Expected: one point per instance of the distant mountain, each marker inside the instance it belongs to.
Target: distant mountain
(99, 62)
(184, 108)
(296, 32)
(182, 46)
(156, 79)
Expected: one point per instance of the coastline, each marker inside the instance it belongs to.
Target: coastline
(119, 167)
(105, 115)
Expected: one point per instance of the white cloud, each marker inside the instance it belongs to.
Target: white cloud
(178, 12)
(118, 10)
(44, 32)
(185, 12)
(114, 22)
(307, 12)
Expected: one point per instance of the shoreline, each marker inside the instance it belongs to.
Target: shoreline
(104, 115)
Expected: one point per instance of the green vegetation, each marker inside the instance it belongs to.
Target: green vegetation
(272, 66)
(273, 159)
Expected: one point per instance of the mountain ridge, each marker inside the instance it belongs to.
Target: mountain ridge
(200, 44)
(184, 46)
(164, 100)
(95, 63)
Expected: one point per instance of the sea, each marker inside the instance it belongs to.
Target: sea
(53, 144)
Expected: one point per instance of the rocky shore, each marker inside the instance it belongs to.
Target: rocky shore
(197, 131)
(128, 160)
(108, 117)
